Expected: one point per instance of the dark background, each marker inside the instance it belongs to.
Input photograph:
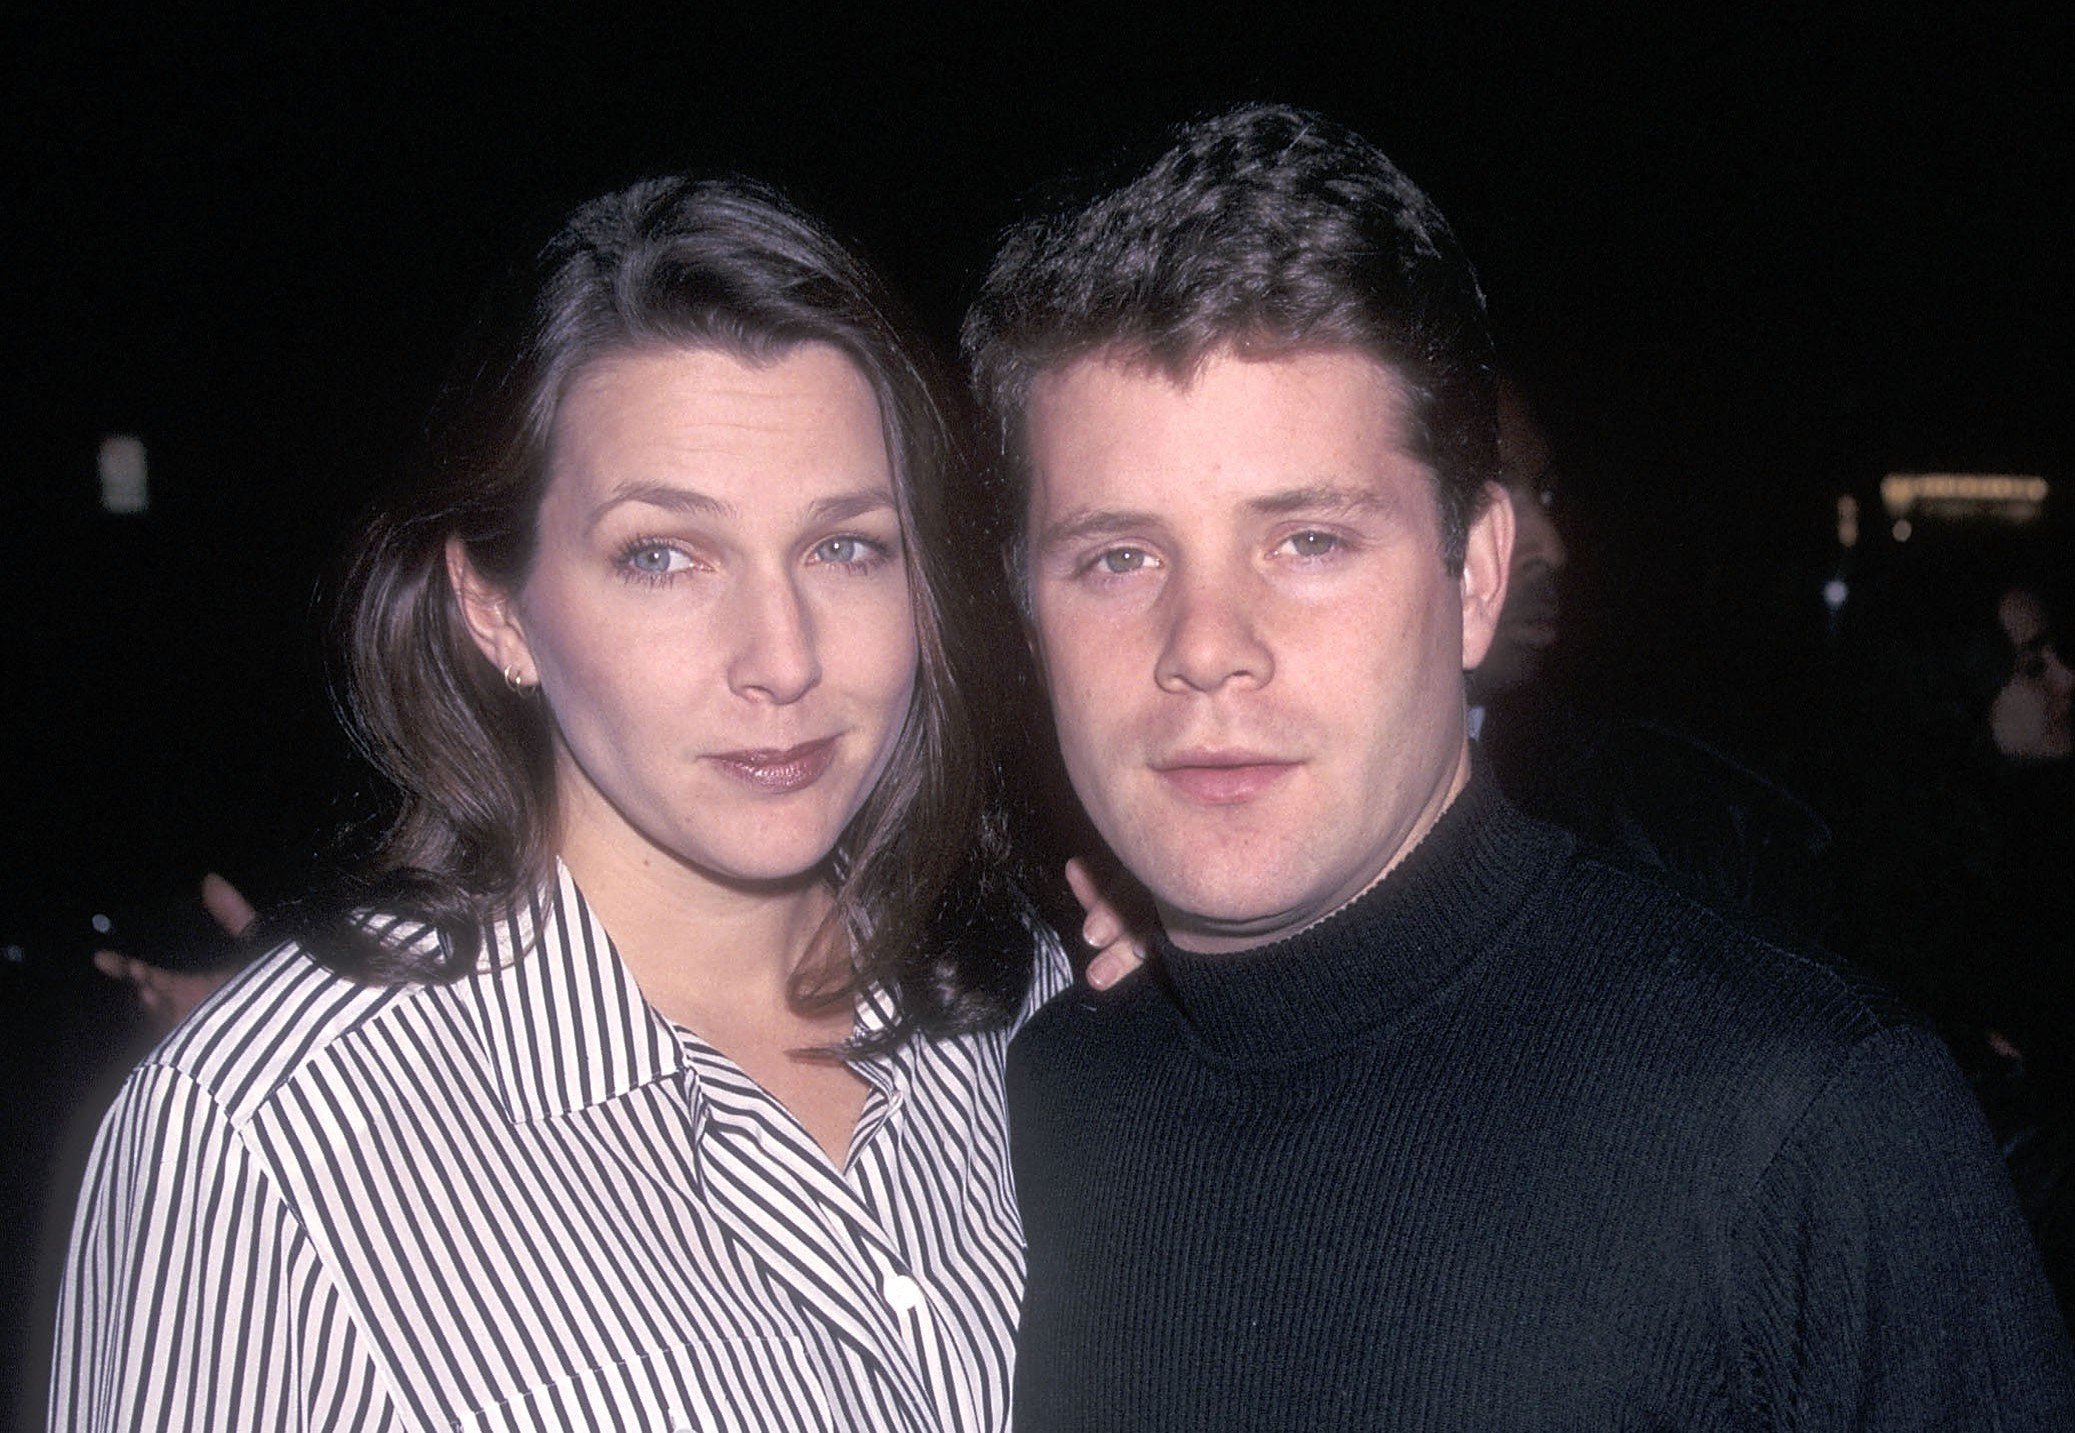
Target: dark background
(1751, 262)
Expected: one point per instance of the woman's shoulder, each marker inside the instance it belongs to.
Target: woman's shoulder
(1051, 971)
(268, 1023)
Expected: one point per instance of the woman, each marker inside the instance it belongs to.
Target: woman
(1958, 834)
(651, 1084)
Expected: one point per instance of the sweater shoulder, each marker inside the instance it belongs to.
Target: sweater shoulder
(1650, 940)
(1669, 1001)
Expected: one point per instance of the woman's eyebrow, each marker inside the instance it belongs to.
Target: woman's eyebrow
(668, 496)
(671, 497)
(840, 507)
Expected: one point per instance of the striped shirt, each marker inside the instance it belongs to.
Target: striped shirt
(526, 1200)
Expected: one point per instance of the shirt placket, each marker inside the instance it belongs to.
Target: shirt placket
(811, 1228)
(876, 1162)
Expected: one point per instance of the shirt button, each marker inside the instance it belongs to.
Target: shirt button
(903, 1293)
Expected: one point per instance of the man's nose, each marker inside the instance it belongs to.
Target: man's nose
(1213, 635)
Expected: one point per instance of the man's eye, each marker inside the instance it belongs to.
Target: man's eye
(1120, 560)
(1312, 544)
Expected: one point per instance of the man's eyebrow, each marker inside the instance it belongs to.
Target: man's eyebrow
(1325, 500)
(1093, 523)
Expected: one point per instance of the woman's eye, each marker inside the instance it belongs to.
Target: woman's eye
(848, 551)
(1312, 544)
(657, 559)
(1121, 560)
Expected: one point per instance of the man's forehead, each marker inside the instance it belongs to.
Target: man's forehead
(1307, 398)
(1063, 382)
(1180, 372)
(1316, 433)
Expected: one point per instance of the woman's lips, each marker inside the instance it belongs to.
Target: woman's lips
(778, 772)
(1220, 779)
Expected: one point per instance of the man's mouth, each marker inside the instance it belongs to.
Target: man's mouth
(1221, 778)
(778, 772)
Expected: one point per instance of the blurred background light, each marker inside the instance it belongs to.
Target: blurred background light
(125, 474)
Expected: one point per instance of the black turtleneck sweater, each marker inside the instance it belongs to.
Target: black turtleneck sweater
(1514, 1141)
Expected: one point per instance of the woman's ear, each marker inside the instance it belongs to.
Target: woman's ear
(488, 612)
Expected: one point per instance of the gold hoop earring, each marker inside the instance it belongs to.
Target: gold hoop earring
(513, 680)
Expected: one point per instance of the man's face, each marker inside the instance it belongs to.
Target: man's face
(1253, 644)
(1528, 626)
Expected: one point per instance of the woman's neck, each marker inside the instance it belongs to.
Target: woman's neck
(721, 959)
(696, 945)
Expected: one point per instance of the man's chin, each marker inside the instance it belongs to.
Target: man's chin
(1209, 917)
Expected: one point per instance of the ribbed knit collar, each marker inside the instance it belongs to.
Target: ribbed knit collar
(1338, 979)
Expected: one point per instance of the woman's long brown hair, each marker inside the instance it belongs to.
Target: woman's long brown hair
(925, 904)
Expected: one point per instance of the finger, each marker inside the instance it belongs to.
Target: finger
(1103, 971)
(153, 998)
(1082, 881)
(1113, 963)
(113, 964)
(227, 904)
(1102, 929)
(1103, 925)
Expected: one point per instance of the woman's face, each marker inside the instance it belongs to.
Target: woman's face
(718, 612)
(2029, 717)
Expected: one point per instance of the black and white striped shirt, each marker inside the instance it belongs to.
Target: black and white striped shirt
(527, 1201)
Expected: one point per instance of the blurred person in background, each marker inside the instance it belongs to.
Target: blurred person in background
(2029, 716)
(1955, 809)
(170, 983)
(1530, 622)
(1646, 795)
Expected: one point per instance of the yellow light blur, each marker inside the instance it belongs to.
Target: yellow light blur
(2002, 497)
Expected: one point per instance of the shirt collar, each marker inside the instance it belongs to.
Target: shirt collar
(564, 1023)
(567, 1027)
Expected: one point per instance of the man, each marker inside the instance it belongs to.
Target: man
(1641, 793)
(1420, 1118)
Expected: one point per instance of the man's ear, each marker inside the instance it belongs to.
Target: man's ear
(1487, 558)
(486, 610)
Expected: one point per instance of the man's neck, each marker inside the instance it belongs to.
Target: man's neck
(1204, 937)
